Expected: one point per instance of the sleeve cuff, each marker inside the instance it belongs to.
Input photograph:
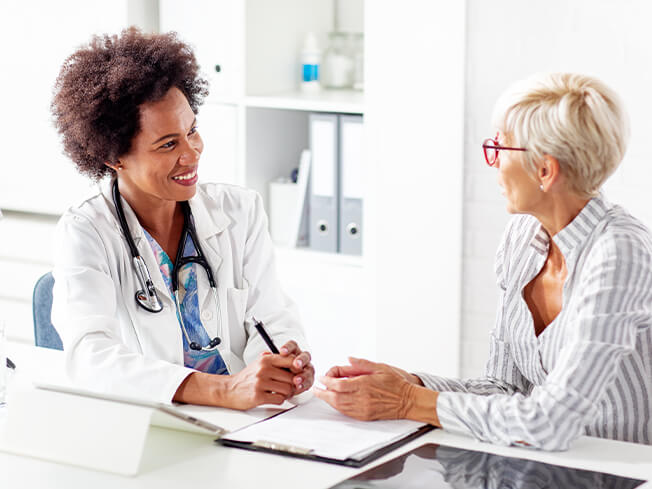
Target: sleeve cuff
(176, 377)
(447, 414)
(432, 382)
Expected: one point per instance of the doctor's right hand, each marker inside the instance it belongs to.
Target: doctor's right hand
(264, 381)
(268, 380)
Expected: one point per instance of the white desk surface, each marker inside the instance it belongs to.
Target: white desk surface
(178, 459)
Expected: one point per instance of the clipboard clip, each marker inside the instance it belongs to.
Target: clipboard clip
(280, 447)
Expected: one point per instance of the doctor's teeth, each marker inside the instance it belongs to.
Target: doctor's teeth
(187, 176)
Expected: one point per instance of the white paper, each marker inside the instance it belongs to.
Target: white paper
(328, 433)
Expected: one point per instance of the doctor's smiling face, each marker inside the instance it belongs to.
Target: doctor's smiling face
(161, 164)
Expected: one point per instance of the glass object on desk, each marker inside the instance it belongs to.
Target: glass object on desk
(3, 363)
(338, 61)
(358, 60)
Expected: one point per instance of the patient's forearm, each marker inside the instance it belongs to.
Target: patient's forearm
(421, 405)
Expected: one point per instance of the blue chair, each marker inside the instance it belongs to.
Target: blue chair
(44, 333)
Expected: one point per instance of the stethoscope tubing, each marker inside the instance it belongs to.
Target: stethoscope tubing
(147, 297)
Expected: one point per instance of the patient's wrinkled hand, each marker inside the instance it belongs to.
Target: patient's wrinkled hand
(366, 390)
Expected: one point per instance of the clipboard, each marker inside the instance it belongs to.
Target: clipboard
(359, 459)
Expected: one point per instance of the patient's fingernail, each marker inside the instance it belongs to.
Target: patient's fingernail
(284, 351)
(300, 386)
(299, 380)
(299, 363)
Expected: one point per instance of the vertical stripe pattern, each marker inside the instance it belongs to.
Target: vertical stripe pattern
(590, 371)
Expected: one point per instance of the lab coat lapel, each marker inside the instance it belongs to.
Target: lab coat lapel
(208, 226)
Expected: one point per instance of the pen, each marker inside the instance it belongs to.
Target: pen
(11, 364)
(270, 344)
(261, 331)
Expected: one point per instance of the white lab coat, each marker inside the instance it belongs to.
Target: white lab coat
(113, 345)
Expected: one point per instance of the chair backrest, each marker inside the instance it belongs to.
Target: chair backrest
(44, 333)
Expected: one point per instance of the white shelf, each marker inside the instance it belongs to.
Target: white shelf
(299, 256)
(343, 101)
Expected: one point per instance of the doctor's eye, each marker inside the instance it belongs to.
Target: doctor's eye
(167, 145)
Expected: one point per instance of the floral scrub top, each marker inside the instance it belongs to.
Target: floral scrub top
(204, 361)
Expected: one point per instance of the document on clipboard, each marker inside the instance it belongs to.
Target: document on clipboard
(316, 431)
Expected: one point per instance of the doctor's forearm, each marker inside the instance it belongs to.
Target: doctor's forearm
(202, 388)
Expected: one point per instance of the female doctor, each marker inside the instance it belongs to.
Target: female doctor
(157, 278)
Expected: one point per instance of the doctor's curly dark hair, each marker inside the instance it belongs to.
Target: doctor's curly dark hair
(101, 86)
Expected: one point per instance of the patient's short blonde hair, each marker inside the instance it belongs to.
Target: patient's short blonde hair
(575, 118)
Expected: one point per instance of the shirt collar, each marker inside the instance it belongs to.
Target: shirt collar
(576, 232)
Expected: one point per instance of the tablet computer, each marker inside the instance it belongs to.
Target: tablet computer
(442, 467)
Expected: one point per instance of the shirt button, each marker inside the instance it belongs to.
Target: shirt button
(207, 315)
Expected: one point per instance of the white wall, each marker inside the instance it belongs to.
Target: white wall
(38, 180)
(37, 37)
(414, 159)
(508, 40)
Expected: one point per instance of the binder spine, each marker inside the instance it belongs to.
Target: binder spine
(324, 183)
(351, 188)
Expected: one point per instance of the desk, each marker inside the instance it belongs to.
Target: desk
(177, 459)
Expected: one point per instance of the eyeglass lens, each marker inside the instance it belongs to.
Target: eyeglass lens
(490, 153)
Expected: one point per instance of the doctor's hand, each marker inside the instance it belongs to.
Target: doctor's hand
(303, 370)
(367, 391)
(265, 381)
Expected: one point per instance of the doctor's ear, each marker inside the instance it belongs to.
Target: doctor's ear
(114, 166)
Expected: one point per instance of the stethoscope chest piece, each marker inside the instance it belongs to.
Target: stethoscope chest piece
(151, 303)
(146, 296)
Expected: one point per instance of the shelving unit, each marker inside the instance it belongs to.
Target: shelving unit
(257, 118)
(374, 305)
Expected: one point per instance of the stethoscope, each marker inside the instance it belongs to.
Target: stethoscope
(146, 296)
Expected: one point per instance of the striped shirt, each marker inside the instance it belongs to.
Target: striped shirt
(590, 371)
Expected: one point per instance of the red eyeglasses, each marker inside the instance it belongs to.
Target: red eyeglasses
(491, 148)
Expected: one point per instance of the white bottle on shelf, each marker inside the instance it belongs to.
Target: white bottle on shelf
(310, 64)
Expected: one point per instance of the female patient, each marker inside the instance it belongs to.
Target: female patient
(157, 278)
(571, 349)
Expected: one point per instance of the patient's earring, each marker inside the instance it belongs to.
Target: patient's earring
(541, 187)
